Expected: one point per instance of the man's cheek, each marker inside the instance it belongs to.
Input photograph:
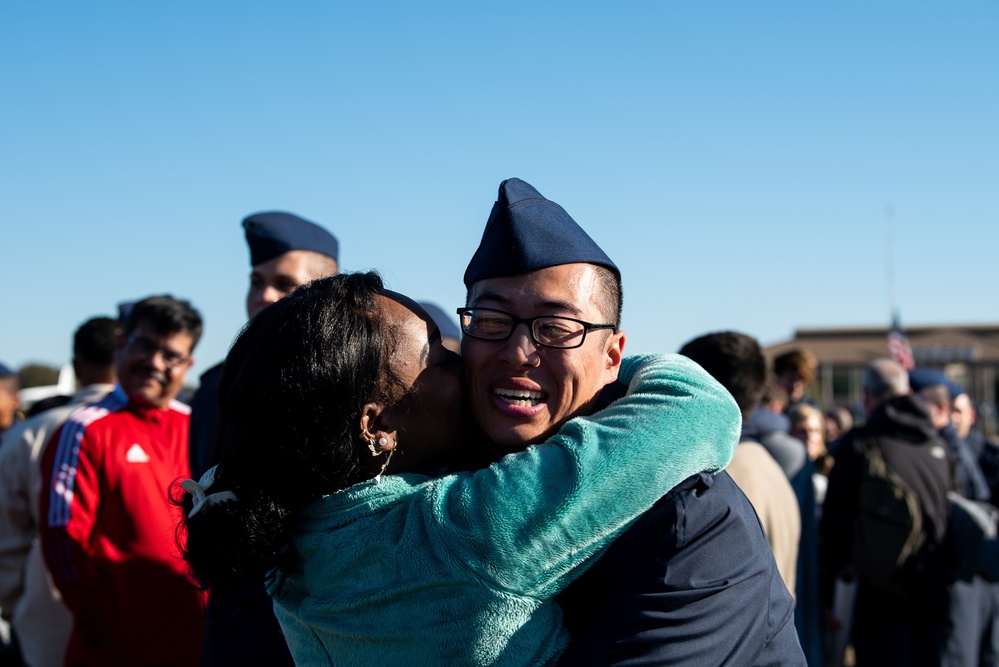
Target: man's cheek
(479, 403)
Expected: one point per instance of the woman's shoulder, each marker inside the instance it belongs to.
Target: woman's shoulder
(367, 496)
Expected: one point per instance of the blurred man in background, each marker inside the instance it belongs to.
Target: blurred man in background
(41, 621)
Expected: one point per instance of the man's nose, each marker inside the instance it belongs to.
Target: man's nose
(519, 349)
(157, 359)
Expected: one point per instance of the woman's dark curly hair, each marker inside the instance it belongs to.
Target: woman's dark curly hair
(289, 408)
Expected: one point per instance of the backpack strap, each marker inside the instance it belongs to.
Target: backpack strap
(878, 468)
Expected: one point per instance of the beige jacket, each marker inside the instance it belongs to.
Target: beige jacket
(768, 489)
(27, 596)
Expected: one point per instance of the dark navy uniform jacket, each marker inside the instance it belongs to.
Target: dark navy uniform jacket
(692, 582)
(204, 407)
(240, 626)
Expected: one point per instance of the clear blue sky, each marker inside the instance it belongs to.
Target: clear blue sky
(737, 160)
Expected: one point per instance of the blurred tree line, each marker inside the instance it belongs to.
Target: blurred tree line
(38, 375)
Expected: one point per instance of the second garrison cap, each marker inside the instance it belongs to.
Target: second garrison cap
(6, 371)
(526, 232)
(273, 233)
(447, 326)
(920, 378)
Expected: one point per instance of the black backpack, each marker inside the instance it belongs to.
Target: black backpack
(888, 531)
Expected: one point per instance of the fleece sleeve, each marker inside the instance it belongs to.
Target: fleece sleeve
(530, 521)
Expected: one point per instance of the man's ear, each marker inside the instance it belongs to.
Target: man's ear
(377, 430)
(613, 356)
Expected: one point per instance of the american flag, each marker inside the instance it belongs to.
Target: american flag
(899, 346)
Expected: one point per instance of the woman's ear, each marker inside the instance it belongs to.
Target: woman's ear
(377, 431)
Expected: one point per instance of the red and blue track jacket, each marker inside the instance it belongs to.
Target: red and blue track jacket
(109, 534)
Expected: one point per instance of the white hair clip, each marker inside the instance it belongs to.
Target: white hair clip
(198, 489)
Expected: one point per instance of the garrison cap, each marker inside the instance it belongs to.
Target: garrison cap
(526, 232)
(273, 233)
(124, 310)
(920, 378)
(6, 371)
(447, 326)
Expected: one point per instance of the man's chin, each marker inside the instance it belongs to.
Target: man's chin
(516, 439)
(512, 434)
(147, 395)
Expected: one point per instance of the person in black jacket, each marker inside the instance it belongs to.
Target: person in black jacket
(905, 627)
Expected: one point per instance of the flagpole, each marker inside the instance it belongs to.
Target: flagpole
(890, 261)
(898, 343)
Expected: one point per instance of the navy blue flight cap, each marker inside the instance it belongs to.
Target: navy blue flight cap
(273, 233)
(124, 310)
(955, 389)
(447, 326)
(6, 371)
(526, 232)
(920, 378)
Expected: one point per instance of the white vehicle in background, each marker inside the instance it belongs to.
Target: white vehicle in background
(65, 386)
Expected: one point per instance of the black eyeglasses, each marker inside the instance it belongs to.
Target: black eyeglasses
(563, 333)
(148, 347)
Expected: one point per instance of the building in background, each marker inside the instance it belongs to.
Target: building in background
(969, 355)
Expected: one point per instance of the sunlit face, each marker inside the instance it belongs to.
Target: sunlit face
(809, 431)
(832, 428)
(151, 366)
(962, 415)
(793, 384)
(278, 277)
(521, 393)
(8, 406)
(429, 414)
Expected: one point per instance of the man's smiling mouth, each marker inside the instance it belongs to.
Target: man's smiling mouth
(519, 397)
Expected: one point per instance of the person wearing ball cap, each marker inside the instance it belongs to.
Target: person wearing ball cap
(938, 390)
(286, 251)
(691, 582)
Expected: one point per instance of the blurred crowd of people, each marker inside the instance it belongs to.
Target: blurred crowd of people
(942, 605)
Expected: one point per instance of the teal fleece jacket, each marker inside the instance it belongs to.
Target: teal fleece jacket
(462, 569)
